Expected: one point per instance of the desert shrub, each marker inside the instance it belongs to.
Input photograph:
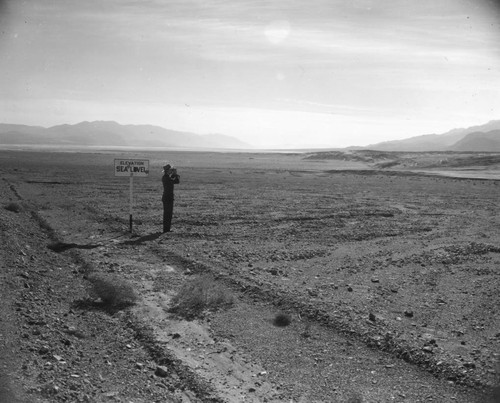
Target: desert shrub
(355, 398)
(199, 295)
(86, 268)
(114, 292)
(307, 330)
(282, 320)
(14, 207)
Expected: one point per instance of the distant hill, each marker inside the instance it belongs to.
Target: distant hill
(479, 141)
(108, 133)
(448, 141)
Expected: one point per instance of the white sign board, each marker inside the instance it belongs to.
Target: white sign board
(131, 167)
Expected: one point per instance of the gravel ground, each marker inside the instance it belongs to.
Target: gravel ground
(383, 290)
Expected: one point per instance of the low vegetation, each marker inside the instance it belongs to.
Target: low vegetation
(14, 207)
(200, 295)
(282, 320)
(355, 398)
(113, 292)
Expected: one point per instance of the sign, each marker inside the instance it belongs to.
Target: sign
(131, 167)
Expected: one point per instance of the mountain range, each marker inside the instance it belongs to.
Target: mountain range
(482, 138)
(108, 133)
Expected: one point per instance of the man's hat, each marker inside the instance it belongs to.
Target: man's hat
(167, 166)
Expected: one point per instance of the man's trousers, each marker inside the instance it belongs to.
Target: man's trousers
(168, 210)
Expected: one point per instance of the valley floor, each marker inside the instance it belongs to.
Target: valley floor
(390, 282)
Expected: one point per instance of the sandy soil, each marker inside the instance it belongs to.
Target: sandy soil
(390, 278)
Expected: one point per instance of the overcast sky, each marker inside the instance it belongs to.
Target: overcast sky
(272, 73)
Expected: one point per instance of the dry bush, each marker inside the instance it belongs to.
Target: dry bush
(307, 330)
(14, 207)
(199, 295)
(282, 320)
(114, 292)
(87, 268)
(355, 398)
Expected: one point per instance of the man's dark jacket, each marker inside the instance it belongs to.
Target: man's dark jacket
(168, 186)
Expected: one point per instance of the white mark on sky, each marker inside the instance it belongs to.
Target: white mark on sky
(277, 31)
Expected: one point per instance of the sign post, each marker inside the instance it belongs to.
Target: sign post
(131, 201)
(131, 168)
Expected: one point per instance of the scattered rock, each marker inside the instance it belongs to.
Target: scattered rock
(43, 350)
(161, 371)
(49, 390)
(111, 394)
(427, 336)
(312, 293)
(73, 331)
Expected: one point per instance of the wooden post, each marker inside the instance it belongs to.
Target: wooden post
(131, 200)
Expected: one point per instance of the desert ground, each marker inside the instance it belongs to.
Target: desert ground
(385, 266)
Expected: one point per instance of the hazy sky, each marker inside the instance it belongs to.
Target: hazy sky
(272, 73)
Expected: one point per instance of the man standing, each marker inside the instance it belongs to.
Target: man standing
(169, 179)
